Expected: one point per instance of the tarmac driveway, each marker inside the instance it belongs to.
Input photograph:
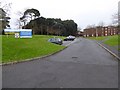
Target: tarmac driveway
(84, 64)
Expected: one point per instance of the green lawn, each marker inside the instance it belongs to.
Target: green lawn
(20, 49)
(97, 38)
(113, 41)
(110, 40)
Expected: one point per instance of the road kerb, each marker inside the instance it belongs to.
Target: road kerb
(70, 43)
(31, 59)
(109, 51)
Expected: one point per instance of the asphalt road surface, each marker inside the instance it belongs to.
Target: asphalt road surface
(84, 64)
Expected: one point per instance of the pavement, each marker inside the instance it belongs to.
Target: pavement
(114, 50)
(83, 64)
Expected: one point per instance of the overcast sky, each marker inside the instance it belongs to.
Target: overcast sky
(83, 12)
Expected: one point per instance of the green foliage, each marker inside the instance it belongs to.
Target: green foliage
(71, 27)
(113, 40)
(32, 11)
(109, 40)
(47, 26)
(21, 49)
(51, 26)
(4, 20)
(98, 38)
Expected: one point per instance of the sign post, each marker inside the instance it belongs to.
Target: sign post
(17, 35)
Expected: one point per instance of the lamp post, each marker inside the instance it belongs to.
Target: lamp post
(96, 32)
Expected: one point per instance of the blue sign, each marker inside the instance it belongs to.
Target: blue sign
(25, 34)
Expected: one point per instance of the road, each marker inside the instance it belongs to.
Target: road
(84, 64)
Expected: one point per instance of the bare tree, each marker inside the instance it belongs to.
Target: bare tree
(101, 24)
(18, 21)
(6, 6)
(91, 26)
(115, 19)
(79, 29)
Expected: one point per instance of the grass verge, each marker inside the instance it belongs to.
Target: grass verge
(20, 49)
(97, 38)
(112, 41)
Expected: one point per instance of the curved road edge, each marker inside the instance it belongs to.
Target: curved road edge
(109, 51)
(31, 59)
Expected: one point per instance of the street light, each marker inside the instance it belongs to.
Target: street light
(96, 32)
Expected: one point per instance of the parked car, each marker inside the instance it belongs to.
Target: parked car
(56, 41)
(69, 38)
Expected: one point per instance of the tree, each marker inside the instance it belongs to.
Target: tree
(4, 16)
(115, 19)
(49, 23)
(91, 26)
(101, 24)
(45, 26)
(79, 29)
(6, 6)
(4, 20)
(30, 14)
(23, 20)
(33, 13)
(19, 21)
(70, 27)
(58, 29)
(37, 25)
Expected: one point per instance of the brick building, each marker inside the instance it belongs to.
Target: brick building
(80, 33)
(89, 32)
(101, 31)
